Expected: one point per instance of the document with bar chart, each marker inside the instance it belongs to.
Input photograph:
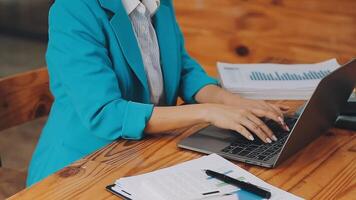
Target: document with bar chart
(274, 81)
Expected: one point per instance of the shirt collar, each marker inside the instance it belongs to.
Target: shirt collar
(151, 5)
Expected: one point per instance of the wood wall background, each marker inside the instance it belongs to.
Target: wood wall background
(282, 31)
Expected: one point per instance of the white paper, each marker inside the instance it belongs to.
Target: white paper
(188, 181)
(274, 81)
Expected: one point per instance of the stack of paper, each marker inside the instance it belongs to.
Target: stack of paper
(274, 81)
(188, 181)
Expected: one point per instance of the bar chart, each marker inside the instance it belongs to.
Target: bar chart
(277, 76)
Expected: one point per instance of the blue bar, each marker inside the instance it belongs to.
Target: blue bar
(314, 75)
(320, 75)
(325, 73)
(274, 77)
(267, 76)
(271, 77)
(294, 77)
(264, 76)
(289, 77)
(278, 77)
(307, 76)
(317, 74)
(284, 76)
(253, 76)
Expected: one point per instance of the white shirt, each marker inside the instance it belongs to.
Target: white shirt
(151, 5)
(140, 13)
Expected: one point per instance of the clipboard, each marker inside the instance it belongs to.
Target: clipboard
(109, 189)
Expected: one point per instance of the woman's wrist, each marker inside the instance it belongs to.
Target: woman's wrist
(202, 111)
(169, 118)
(228, 98)
(216, 95)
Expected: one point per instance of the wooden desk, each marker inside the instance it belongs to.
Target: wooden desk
(326, 169)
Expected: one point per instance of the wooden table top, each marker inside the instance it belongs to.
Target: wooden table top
(326, 169)
(239, 31)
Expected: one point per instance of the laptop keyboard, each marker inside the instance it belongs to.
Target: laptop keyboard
(259, 150)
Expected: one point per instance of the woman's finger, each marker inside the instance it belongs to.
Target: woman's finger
(274, 108)
(277, 109)
(263, 126)
(267, 114)
(272, 116)
(253, 127)
(270, 107)
(283, 108)
(243, 131)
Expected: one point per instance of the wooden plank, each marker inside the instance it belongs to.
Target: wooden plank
(24, 97)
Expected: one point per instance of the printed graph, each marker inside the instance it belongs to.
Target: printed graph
(277, 76)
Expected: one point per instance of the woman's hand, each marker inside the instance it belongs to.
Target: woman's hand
(217, 95)
(230, 111)
(235, 100)
(244, 119)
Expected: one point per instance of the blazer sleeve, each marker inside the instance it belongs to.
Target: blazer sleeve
(193, 76)
(78, 56)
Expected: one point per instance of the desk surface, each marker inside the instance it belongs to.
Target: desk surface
(326, 169)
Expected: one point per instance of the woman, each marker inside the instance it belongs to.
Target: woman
(116, 69)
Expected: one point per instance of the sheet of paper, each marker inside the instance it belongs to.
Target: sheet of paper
(184, 181)
(188, 181)
(274, 81)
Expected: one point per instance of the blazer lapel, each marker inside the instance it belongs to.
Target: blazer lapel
(169, 51)
(124, 32)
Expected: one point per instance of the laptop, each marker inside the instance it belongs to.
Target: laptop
(318, 115)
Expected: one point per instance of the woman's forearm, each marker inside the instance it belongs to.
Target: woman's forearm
(175, 117)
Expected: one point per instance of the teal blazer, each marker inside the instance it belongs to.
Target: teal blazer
(98, 79)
